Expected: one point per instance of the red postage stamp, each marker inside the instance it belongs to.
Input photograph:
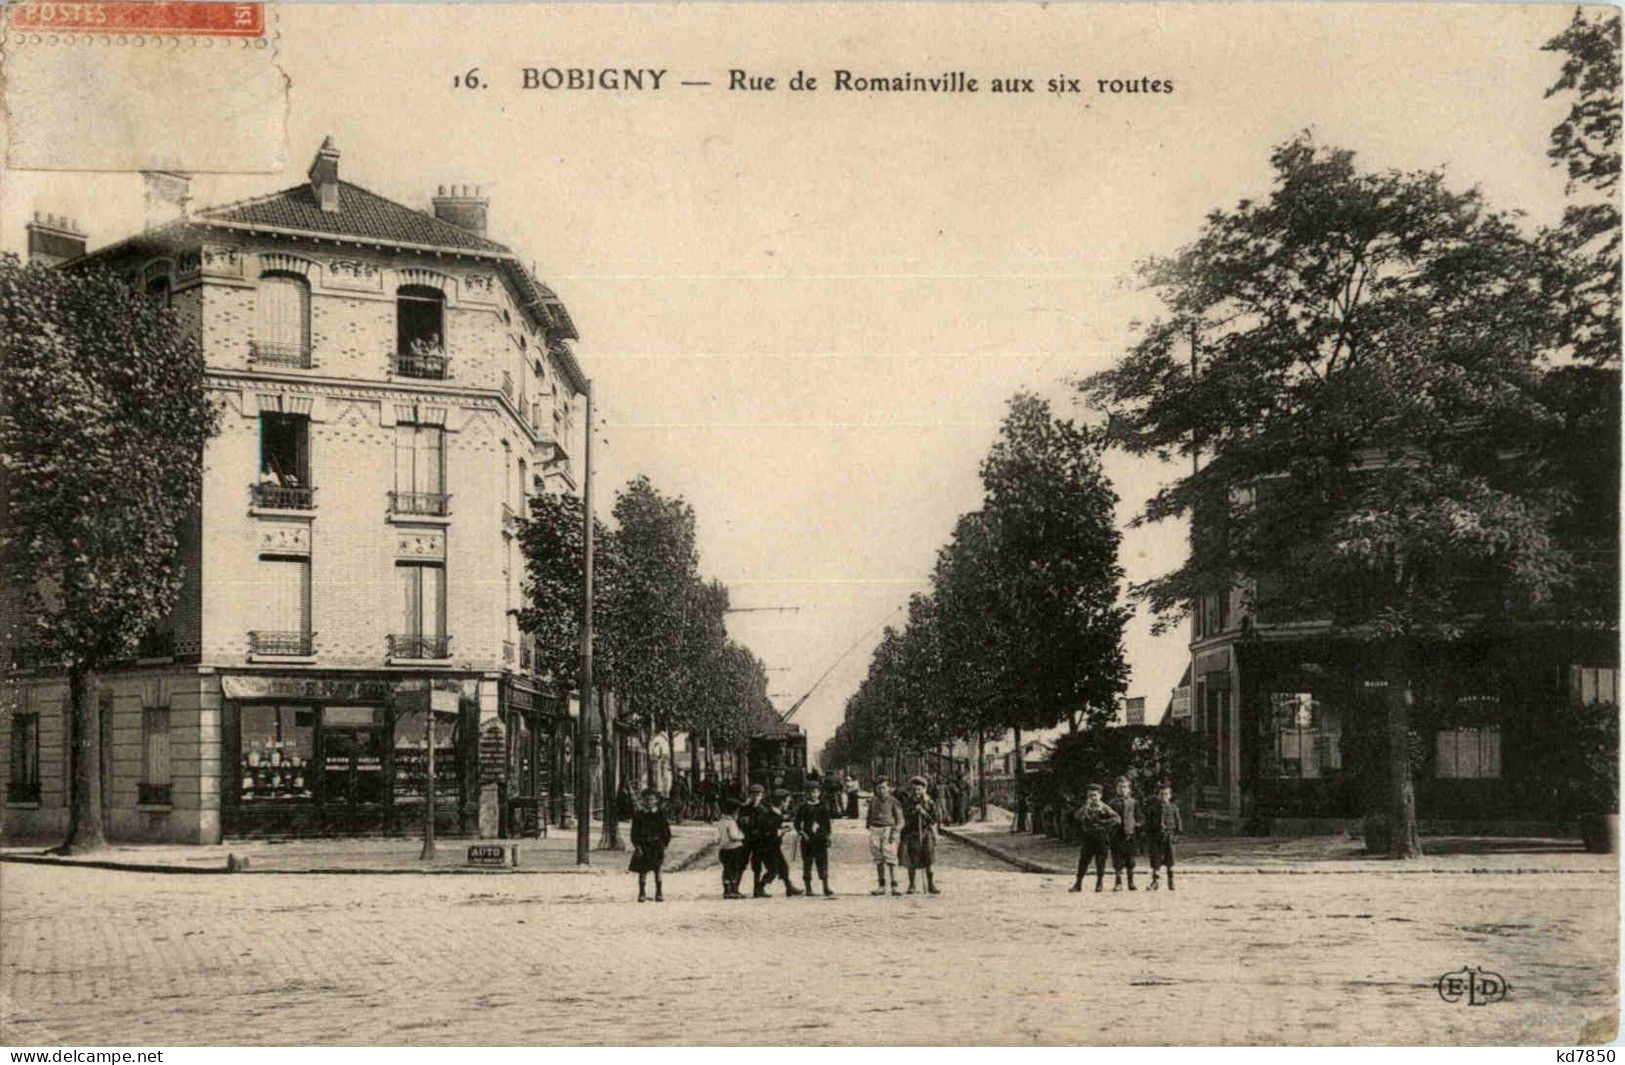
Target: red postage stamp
(201, 18)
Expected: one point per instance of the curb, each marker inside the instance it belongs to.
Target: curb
(695, 857)
(220, 870)
(1028, 866)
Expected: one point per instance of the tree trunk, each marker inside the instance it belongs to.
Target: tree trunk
(85, 778)
(610, 838)
(981, 773)
(693, 763)
(1404, 840)
(1020, 824)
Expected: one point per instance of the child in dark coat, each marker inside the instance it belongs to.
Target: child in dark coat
(1163, 826)
(651, 833)
(813, 827)
(1099, 822)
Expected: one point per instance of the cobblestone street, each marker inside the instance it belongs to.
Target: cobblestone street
(93, 956)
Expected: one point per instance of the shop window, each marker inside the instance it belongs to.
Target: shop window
(420, 486)
(1593, 686)
(22, 781)
(412, 758)
(155, 779)
(282, 321)
(1468, 754)
(1308, 736)
(284, 480)
(277, 753)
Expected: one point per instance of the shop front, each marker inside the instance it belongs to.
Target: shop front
(538, 736)
(342, 756)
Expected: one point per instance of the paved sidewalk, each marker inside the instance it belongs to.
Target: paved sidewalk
(690, 845)
(1307, 854)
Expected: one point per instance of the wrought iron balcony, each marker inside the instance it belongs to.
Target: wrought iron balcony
(269, 354)
(156, 645)
(282, 497)
(291, 644)
(432, 504)
(414, 645)
(426, 363)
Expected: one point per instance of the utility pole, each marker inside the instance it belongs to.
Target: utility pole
(428, 800)
(583, 770)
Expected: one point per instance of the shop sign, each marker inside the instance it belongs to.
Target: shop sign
(493, 855)
(493, 753)
(417, 702)
(252, 686)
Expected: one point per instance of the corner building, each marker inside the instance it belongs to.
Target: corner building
(393, 386)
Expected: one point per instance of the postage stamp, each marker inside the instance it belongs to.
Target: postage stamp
(120, 73)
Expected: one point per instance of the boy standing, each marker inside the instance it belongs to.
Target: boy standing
(731, 850)
(771, 825)
(813, 826)
(1163, 826)
(1125, 837)
(1098, 821)
(920, 820)
(746, 816)
(885, 822)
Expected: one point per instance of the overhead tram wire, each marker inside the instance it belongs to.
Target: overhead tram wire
(788, 714)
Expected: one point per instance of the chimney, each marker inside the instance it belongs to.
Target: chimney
(165, 195)
(463, 207)
(53, 240)
(324, 175)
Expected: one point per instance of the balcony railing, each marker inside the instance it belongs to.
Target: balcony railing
(433, 504)
(269, 354)
(291, 644)
(282, 497)
(413, 645)
(156, 645)
(427, 363)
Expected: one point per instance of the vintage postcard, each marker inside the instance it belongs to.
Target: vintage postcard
(809, 524)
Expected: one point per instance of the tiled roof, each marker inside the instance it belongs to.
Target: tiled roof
(361, 214)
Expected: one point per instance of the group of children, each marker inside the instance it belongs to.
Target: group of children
(751, 834)
(1116, 828)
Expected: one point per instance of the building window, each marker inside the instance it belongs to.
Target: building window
(284, 603)
(524, 488)
(22, 782)
(155, 782)
(420, 470)
(423, 597)
(278, 750)
(1308, 736)
(158, 289)
(1593, 685)
(1468, 753)
(284, 481)
(282, 321)
(420, 317)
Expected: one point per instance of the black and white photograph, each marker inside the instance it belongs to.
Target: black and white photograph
(865, 524)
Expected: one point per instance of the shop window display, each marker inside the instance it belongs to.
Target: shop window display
(277, 753)
(412, 758)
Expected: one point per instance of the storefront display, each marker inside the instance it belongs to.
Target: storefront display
(277, 753)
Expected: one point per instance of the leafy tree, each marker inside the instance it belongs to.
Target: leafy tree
(103, 421)
(1585, 260)
(1369, 388)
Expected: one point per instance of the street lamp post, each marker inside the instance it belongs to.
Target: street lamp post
(583, 770)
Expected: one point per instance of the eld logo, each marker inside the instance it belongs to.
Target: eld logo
(1472, 986)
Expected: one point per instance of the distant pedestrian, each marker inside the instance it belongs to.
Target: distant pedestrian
(813, 827)
(885, 825)
(852, 788)
(731, 849)
(956, 800)
(1097, 821)
(1126, 836)
(1163, 826)
(919, 849)
(708, 797)
(651, 833)
(772, 824)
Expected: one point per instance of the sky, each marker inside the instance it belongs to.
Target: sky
(805, 312)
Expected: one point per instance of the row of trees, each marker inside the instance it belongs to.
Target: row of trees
(661, 646)
(1405, 402)
(1022, 627)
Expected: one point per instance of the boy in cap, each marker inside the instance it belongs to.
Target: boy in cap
(884, 822)
(920, 820)
(1098, 821)
(651, 833)
(731, 849)
(1126, 836)
(1163, 825)
(746, 817)
(813, 827)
